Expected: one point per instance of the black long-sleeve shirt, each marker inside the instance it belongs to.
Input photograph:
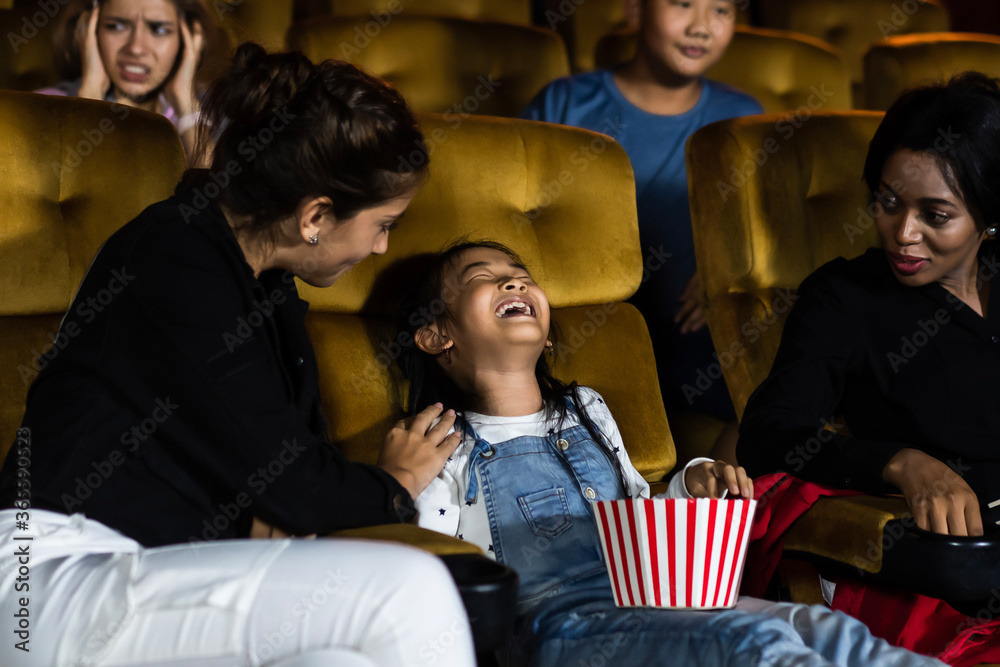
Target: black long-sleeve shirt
(901, 366)
(185, 398)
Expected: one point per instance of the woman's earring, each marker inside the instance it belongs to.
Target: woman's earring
(550, 348)
(314, 239)
(446, 350)
(991, 232)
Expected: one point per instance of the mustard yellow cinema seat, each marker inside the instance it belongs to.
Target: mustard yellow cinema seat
(442, 65)
(851, 25)
(27, 61)
(265, 23)
(64, 161)
(574, 223)
(783, 70)
(508, 11)
(772, 199)
(582, 24)
(899, 63)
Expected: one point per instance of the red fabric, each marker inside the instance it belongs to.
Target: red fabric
(922, 624)
(781, 500)
(904, 618)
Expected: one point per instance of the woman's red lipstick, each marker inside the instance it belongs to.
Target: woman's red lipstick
(906, 264)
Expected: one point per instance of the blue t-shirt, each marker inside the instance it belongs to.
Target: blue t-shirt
(655, 145)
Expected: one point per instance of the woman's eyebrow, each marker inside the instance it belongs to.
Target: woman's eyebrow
(937, 202)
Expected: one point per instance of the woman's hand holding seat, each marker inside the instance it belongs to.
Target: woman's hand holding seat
(416, 449)
(940, 500)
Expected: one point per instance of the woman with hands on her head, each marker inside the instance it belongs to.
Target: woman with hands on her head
(140, 53)
(903, 343)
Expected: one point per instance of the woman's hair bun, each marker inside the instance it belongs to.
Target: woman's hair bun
(265, 81)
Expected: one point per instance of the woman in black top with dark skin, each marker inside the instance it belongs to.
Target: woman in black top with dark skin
(185, 408)
(902, 344)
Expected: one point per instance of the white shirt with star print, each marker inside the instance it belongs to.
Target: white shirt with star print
(442, 505)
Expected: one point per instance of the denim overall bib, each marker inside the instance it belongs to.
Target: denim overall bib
(537, 493)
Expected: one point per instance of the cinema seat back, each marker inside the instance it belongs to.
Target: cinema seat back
(442, 65)
(74, 171)
(772, 199)
(899, 63)
(574, 223)
(852, 25)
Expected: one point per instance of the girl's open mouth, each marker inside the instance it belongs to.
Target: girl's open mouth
(515, 308)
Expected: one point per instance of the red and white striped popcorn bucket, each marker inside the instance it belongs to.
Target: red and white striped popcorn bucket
(680, 554)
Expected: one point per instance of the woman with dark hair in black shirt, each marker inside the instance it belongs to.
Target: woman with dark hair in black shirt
(903, 343)
(164, 429)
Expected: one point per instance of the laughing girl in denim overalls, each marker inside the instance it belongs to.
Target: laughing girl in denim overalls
(535, 453)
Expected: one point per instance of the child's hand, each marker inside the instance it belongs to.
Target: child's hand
(709, 480)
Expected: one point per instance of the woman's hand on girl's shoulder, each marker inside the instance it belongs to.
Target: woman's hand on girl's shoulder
(712, 479)
(417, 449)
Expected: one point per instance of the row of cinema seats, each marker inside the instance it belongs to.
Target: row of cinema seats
(61, 199)
(482, 58)
(58, 204)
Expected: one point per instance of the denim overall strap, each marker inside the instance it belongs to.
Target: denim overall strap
(537, 492)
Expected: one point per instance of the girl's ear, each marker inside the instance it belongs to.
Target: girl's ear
(430, 340)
